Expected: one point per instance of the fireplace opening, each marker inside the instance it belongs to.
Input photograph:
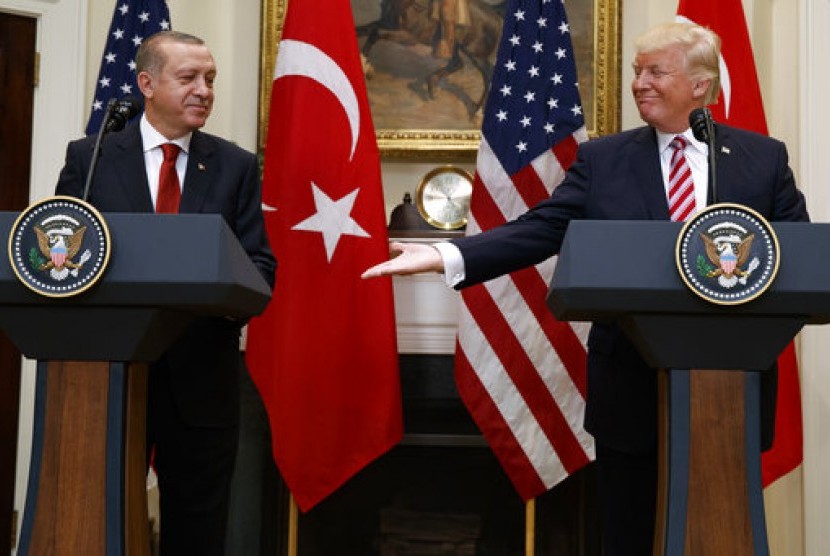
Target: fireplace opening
(441, 491)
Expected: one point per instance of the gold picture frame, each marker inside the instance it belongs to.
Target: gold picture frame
(595, 29)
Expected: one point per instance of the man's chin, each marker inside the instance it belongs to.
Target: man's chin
(197, 122)
(647, 117)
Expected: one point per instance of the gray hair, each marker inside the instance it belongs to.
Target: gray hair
(151, 58)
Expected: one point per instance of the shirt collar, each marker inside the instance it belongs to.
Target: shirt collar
(664, 139)
(151, 138)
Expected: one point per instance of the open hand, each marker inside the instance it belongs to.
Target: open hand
(409, 258)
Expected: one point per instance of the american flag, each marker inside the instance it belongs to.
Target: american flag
(132, 22)
(520, 372)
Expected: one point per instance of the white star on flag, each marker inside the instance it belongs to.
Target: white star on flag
(333, 219)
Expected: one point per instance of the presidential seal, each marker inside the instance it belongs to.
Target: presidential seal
(727, 254)
(59, 247)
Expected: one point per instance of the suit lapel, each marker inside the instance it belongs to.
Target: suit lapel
(130, 169)
(724, 163)
(645, 166)
(199, 173)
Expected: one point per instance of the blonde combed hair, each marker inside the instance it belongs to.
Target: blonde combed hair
(700, 44)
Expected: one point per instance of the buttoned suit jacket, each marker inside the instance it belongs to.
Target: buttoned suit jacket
(220, 178)
(618, 177)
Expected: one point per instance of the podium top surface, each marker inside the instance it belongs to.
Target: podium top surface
(608, 269)
(186, 262)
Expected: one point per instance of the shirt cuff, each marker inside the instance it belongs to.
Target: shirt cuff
(454, 272)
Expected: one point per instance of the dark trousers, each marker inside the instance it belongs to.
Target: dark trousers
(627, 489)
(254, 518)
(194, 467)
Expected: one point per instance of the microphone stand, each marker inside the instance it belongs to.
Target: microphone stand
(713, 174)
(96, 150)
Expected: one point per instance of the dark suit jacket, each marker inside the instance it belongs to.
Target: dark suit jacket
(618, 177)
(221, 178)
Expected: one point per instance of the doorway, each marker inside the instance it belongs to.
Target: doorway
(17, 81)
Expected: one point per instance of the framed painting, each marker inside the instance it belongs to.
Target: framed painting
(424, 105)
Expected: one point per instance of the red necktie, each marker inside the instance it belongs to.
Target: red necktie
(681, 186)
(169, 191)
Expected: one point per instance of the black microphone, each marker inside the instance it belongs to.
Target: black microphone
(116, 116)
(703, 128)
(121, 111)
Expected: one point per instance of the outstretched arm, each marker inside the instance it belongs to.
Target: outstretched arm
(408, 258)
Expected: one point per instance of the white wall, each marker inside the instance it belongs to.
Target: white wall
(813, 88)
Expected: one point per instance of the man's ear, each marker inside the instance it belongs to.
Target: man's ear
(700, 87)
(145, 84)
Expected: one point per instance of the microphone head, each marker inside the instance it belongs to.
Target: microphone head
(700, 121)
(122, 111)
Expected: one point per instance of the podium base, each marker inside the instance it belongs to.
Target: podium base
(710, 499)
(87, 479)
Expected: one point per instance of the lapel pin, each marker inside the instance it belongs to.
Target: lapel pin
(725, 150)
(201, 167)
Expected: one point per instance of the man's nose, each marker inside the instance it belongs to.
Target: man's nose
(202, 87)
(641, 81)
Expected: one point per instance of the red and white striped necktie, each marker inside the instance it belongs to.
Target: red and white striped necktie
(681, 186)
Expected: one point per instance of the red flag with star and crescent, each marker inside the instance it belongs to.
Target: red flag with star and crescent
(324, 353)
(740, 105)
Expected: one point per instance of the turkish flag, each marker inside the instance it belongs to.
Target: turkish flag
(324, 353)
(740, 105)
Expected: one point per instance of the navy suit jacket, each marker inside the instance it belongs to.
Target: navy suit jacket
(618, 177)
(220, 178)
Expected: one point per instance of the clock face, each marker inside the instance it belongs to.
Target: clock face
(443, 197)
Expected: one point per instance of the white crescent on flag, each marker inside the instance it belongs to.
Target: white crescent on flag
(725, 80)
(304, 59)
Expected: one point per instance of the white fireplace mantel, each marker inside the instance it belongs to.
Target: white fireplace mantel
(426, 311)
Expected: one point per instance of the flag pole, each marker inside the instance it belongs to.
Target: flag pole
(292, 525)
(530, 527)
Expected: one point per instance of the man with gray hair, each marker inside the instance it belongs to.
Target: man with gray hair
(655, 172)
(165, 163)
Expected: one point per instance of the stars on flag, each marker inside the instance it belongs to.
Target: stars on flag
(132, 22)
(536, 62)
(333, 219)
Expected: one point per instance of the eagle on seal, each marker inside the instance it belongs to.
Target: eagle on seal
(59, 248)
(728, 256)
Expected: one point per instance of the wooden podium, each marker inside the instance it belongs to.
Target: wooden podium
(87, 480)
(710, 497)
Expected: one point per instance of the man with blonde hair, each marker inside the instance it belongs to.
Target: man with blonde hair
(631, 176)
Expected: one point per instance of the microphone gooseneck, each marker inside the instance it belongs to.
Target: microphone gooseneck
(697, 121)
(703, 128)
(121, 112)
(116, 116)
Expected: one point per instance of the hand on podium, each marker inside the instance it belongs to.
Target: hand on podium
(408, 258)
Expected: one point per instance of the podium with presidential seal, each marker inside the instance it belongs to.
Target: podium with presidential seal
(708, 302)
(94, 299)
